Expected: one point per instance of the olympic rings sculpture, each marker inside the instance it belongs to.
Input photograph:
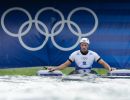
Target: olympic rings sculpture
(46, 33)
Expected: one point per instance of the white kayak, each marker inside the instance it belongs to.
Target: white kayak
(116, 74)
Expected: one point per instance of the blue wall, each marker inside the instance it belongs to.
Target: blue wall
(23, 44)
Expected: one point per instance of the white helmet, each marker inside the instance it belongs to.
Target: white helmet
(86, 40)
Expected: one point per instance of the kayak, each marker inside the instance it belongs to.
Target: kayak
(116, 74)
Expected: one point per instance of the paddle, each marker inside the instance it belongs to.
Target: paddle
(45, 72)
(45, 68)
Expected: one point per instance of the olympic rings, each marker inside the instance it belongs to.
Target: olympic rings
(13, 9)
(20, 36)
(45, 32)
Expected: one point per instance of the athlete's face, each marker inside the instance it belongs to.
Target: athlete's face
(84, 47)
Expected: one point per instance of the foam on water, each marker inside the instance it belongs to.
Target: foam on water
(39, 88)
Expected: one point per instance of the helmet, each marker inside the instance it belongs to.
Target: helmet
(85, 40)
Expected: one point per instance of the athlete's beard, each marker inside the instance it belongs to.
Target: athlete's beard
(84, 51)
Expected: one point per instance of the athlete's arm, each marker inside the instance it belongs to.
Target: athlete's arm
(64, 65)
(60, 67)
(105, 65)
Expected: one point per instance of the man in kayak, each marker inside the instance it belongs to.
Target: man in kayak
(83, 58)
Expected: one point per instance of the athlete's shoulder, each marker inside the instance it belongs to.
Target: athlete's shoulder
(77, 52)
(92, 52)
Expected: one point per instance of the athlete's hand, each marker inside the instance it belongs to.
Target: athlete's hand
(51, 69)
(112, 68)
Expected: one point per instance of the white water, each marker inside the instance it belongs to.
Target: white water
(39, 88)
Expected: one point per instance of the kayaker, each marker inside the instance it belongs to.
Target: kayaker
(83, 58)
